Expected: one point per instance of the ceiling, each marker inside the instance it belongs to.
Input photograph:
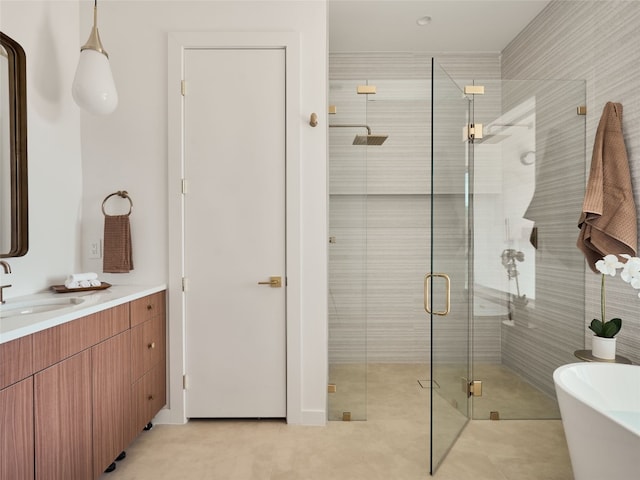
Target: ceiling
(456, 25)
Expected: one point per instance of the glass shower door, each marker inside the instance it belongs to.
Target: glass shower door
(348, 233)
(447, 287)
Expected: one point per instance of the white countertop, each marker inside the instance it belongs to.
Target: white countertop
(17, 326)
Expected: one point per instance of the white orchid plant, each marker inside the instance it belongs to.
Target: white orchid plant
(630, 274)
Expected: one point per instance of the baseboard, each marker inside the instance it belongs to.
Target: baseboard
(316, 418)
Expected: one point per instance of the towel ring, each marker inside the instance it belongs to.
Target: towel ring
(120, 193)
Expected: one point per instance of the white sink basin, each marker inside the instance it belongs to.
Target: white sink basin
(28, 307)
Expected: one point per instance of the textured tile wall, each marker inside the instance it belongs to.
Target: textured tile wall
(596, 41)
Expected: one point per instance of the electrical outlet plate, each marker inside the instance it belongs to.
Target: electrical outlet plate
(95, 249)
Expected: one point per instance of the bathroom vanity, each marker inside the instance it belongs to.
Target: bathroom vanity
(78, 384)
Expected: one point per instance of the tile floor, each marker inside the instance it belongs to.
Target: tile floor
(392, 444)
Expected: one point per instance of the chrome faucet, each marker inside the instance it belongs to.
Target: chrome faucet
(7, 269)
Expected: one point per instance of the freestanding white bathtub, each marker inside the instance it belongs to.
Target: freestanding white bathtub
(600, 409)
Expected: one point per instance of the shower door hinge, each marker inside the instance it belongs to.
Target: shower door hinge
(184, 284)
(183, 187)
(474, 388)
(183, 87)
(366, 89)
(184, 381)
(472, 131)
(474, 90)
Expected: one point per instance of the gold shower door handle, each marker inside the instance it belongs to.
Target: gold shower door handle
(427, 300)
(274, 282)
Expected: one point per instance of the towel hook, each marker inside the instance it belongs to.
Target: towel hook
(122, 194)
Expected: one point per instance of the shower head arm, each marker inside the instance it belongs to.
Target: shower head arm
(352, 126)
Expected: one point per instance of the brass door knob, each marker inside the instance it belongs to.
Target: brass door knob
(151, 345)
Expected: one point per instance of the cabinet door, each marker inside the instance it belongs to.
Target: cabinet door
(16, 431)
(62, 402)
(110, 366)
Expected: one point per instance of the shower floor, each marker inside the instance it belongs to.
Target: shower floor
(394, 391)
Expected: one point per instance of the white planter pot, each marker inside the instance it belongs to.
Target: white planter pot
(604, 348)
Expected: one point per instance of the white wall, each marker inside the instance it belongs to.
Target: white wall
(76, 159)
(47, 31)
(128, 149)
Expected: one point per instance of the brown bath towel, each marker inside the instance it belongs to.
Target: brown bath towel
(608, 224)
(117, 244)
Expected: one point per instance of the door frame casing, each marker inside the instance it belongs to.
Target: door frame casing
(178, 42)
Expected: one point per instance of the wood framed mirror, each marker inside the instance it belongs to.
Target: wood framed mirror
(14, 211)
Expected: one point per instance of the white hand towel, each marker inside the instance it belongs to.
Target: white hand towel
(95, 283)
(81, 280)
(78, 277)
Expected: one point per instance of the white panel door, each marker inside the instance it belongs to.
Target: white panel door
(234, 165)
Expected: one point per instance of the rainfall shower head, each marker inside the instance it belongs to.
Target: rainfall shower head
(367, 139)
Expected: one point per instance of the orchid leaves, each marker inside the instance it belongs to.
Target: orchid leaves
(607, 329)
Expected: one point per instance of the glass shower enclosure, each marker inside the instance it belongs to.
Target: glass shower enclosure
(450, 260)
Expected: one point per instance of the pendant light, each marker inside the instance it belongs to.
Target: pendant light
(93, 87)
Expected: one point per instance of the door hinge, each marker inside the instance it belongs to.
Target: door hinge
(183, 186)
(474, 90)
(184, 284)
(184, 381)
(474, 388)
(366, 89)
(472, 131)
(183, 87)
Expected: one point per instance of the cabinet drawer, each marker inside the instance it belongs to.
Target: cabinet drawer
(147, 346)
(15, 361)
(149, 396)
(57, 343)
(147, 307)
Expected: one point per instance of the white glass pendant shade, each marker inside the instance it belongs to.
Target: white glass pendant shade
(93, 87)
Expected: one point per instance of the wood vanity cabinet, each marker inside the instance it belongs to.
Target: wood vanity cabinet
(69, 402)
(76, 424)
